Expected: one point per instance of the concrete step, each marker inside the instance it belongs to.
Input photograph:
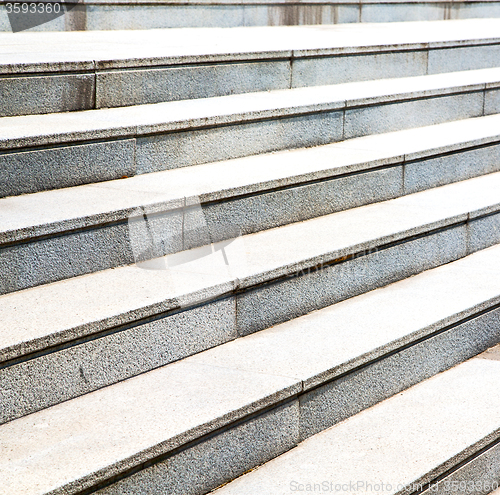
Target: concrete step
(190, 426)
(443, 436)
(97, 226)
(65, 149)
(59, 72)
(114, 324)
(143, 14)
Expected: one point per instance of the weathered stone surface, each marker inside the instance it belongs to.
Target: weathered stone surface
(103, 299)
(46, 94)
(337, 400)
(484, 232)
(281, 301)
(184, 133)
(70, 372)
(492, 102)
(38, 170)
(139, 86)
(134, 421)
(395, 116)
(479, 476)
(140, 15)
(182, 149)
(432, 172)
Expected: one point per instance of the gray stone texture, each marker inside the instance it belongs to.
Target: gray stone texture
(339, 399)
(113, 17)
(281, 207)
(401, 12)
(483, 232)
(218, 459)
(163, 72)
(492, 101)
(164, 143)
(46, 260)
(133, 422)
(351, 68)
(470, 10)
(299, 15)
(462, 58)
(143, 85)
(59, 257)
(154, 85)
(46, 94)
(454, 167)
(433, 426)
(57, 167)
(289, 298)
(63, 374)
(182, 149)
(388, 117)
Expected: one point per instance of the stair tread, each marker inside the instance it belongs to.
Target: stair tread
(60, 210)
(88, 50)
(122, 425)
(38, 130)
(103, 299)
(457, 412)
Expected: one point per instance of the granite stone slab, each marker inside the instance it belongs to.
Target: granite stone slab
(84, 206)
(492, 102)
(369, 449)
(66, 373)
(363, 328)
(478, 476)
(119, 427)
(201, 394)
(139, 86)
(47, 94)
(219, 459)
(214, 129)
(80, 50)
(37, 170)
(24, 131)
(113, 244)
(103, 299)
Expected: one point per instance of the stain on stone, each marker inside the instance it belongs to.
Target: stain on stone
(75, 18)
(82, 374)
(492, 353)
(295, 15)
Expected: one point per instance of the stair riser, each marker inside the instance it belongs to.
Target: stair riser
(69, 165)
(201, 467)
(129, 351)
(29, 264)
(40, 93)
(126, 15)
(218, 459)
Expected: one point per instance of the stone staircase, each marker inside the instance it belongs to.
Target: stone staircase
(229, 248)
